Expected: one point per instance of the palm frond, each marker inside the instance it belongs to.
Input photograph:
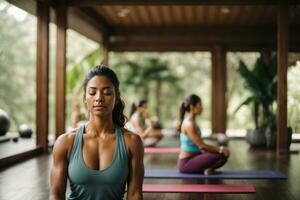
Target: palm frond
(246, 102)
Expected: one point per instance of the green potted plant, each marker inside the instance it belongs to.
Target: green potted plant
(261, 81)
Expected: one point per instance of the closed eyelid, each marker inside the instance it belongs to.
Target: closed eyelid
(102, 89)
(91, 88)
(107, 90)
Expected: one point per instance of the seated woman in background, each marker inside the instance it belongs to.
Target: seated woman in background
(100, 157)
(137, 124)
(77, 117)
(196, 156)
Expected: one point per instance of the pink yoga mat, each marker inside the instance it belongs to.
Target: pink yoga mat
(172, 188)
(158, 150)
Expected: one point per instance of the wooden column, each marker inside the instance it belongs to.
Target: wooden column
(218, 98)
(42, 74)
(60, 114)
(105, 50)
(282, 62)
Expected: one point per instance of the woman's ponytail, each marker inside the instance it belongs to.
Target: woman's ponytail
(182, 109)
(133, 109)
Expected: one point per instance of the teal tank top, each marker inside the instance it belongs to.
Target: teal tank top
(89, 184)
(187, 144)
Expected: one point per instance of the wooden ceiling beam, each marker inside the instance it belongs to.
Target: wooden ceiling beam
(78, 19)
(160, 48)
(204, 42)
(209, 35)
(186, 48)
(193, 30)
(29, 5)
(188, 40)
(196, 47)
(173, 2)
(96, 19)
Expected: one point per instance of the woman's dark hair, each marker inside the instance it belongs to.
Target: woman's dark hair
(136, 105)
(185, 106)
(102, 70)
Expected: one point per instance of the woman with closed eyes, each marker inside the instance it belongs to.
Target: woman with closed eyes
(100, 157)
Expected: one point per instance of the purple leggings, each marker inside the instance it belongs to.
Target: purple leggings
(200, 162)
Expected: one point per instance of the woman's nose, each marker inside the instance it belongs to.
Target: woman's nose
(99, 97)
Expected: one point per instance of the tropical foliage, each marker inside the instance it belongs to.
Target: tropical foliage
(76, 71)
(17, 67)
(141, 76)
(294, 97)
(262, 84)
(193, 76)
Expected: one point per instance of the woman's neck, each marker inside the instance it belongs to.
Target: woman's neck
(139, 112)
(100, 125)
(191, 116)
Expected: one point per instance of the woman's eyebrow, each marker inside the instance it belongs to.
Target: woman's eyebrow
(105, 87)
(108, 87)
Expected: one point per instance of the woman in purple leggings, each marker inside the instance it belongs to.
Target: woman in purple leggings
(196, 156)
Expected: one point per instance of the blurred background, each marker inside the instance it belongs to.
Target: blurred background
(162, 78)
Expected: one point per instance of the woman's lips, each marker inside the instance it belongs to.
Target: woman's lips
(99, 107)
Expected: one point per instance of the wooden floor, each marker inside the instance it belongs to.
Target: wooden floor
(29, 179)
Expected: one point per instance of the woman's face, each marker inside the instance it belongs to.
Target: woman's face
(197, 109)
(143, 109)
(100, 96)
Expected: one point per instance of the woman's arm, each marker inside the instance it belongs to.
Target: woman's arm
(136, 177)
(191, 130)
(58, 174)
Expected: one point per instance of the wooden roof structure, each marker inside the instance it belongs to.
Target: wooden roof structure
(217, 26)
(141, 25)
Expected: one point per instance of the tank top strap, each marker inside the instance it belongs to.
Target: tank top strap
(76, 149)
(122, 152)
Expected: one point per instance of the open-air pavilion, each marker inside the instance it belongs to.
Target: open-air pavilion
(217, 26)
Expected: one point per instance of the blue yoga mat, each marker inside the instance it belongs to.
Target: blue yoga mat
(236, 174)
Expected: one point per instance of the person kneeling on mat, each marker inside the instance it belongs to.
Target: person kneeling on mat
(137, 124)
(196, 156)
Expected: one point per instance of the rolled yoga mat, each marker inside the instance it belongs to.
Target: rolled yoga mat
(236, 174)
(161, 150)
(183, 188)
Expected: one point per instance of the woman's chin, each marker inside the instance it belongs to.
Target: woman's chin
(101, 114)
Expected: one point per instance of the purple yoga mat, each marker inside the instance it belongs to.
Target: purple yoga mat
(233, 174)
(158, 150)
(172, 188)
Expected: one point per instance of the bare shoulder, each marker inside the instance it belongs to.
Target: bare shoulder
(133, 141)
(65, 138)
(64, 142)
(189, 125)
